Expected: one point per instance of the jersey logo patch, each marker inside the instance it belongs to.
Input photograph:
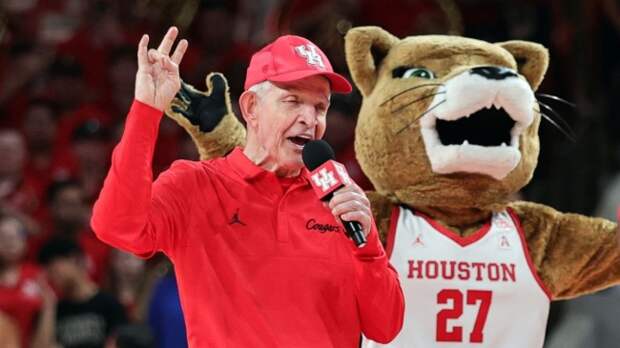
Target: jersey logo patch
(235, 219)
(418, 242)
(504, 243)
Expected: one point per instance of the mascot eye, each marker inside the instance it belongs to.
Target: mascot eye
(406, 72)
(419, 72)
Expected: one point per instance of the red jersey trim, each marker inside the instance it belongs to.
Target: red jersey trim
(389, 245)
(530, 263)
(461, 241)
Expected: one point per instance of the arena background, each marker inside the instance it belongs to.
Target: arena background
(66, 81)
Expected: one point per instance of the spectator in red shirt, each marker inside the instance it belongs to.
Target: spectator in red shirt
(120, 72)
(91, 149)
(69, 214)
(19, 282)
(15, 191)
(39, 128)
(66, 83)
(260, 261)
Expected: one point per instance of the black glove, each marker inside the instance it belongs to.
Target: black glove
(204, 109)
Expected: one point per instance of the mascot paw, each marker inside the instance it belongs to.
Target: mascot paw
(203, 109)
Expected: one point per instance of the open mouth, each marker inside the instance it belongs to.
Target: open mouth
(476, 125)
(485, 127)
(485, 141)
(299, 140)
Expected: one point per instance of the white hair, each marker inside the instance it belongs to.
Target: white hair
(261, 88)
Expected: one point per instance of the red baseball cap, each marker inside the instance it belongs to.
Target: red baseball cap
(291, 58)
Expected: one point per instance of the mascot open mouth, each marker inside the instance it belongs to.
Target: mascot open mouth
(475, 126)
(486, 127)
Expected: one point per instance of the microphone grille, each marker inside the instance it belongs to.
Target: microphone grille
(315, 153)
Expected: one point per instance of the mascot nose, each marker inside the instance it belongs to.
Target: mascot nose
(493, 72)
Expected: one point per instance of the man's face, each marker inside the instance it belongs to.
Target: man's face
(63, 272)
(126, 265)
(12, 153)
(69, 209)
(288, 116)
(40, 126)
(12, 240)
(91, 153)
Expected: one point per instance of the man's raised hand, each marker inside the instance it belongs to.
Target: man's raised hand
(157, 79)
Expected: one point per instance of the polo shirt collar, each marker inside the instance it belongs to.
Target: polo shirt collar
(248, 170)
(242, 164)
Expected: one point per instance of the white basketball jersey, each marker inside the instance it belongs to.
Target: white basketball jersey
(478, 291)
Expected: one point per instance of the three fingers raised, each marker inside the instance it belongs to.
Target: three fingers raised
(164, 48)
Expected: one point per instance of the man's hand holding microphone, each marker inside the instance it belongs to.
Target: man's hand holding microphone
(345, 198)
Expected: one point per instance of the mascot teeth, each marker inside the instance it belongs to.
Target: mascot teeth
(475, 126)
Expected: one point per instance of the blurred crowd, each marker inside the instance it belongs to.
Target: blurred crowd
(67, 69)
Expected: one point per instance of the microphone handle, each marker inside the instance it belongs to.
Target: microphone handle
(353, 228)
(355, 232)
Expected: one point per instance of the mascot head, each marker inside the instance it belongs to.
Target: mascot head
(446, 121)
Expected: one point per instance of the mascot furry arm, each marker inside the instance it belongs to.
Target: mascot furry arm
(208, 117)
(573, 254)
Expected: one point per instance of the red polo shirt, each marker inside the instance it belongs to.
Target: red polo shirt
(260, 261)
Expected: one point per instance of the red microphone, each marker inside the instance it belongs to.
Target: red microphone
(327, 176)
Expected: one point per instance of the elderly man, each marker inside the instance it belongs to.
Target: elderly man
(250, 272)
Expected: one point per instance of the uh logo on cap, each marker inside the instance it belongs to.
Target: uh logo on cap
(309, 52)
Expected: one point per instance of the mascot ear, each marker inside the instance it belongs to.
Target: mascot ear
(532, 59)
(365, 48)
